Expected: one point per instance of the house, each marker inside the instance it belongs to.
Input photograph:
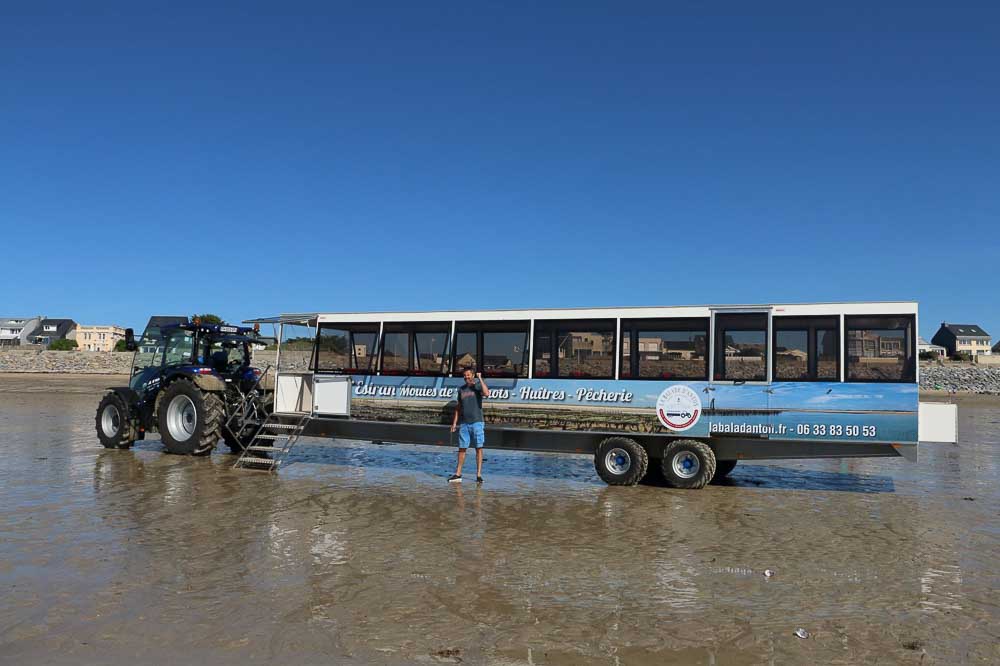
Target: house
(962, 338)
(98, 338)
(924, 346)
(49, 330)
(14, 331)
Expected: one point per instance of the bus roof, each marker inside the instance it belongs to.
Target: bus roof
(605, 312)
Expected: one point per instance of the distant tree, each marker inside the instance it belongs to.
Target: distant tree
(929, 356)
(63, 345)
(961, 356)
(208, 318)
(120, 346)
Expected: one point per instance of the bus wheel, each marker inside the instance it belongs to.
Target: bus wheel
(688, 463)
(621, 461)
(722, 469)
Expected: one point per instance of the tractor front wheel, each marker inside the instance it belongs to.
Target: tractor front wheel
(115, 427)
(189, 419)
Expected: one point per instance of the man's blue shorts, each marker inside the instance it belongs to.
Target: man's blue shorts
(471, 431)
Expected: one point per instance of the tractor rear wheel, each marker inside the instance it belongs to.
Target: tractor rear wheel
(115, 427)
(189, 419)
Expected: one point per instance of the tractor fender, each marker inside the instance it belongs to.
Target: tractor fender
(130, 397)
(209, 383)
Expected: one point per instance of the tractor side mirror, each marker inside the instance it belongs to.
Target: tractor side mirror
(130, 340)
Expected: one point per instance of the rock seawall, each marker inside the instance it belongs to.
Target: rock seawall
(69, 362)
(960, 378)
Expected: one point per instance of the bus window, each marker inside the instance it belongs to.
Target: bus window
(543, 354)
(415, 349)
(466, 352)
(880, 349)
(497, 349)
(347, 348)
(806, 349)
(505, 354)
(575, 349)
(828, 354)
(430, 352)
(741, 347)
(395, 353)
(664, 349)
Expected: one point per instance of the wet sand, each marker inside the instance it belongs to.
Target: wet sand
(356, 553)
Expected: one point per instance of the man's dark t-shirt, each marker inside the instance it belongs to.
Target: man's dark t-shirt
(470, 403)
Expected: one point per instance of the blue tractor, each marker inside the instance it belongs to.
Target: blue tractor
(192, 382)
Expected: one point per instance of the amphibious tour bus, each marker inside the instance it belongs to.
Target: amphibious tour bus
(682, 392)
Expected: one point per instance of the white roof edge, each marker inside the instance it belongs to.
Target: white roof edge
(864, 307)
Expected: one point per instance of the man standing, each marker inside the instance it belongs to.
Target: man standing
(470, 411)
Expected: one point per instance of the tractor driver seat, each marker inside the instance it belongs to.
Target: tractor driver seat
(220, 360)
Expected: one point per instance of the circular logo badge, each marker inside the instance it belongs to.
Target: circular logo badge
(678, 408)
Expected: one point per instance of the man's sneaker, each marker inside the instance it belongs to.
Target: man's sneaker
(454, 478)
(479, 479)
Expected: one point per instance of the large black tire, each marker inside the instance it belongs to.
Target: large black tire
(621, 461)
(114, 422)
(722, 469)
(688, 463)
(189, 419)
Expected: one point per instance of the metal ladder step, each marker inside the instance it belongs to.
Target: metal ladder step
(271, 437)
(269, 449)
(282, 426)
(247, 460)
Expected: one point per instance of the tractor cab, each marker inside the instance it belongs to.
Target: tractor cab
(172, 344)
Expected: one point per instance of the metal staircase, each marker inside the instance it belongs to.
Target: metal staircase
(272, 442)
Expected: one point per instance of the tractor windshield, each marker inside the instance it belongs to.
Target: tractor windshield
(178, 347)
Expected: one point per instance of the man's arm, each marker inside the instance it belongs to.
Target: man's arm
(454, 418)
(486, 389)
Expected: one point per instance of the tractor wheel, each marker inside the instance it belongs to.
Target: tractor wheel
(688, 463)
(115, 427)
(722, 469)
(189, 419)
(621, 461)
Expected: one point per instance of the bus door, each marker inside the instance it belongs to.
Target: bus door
(740, 392)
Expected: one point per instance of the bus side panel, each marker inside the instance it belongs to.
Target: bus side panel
(782, 411)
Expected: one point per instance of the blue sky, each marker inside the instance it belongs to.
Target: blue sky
(336, 156)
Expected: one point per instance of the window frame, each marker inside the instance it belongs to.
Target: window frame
(632, 327)
(910, 340)
(719, 345)
(411, 329)
(554, 327)
(811, 324)
(479, 328)
(351, 328)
